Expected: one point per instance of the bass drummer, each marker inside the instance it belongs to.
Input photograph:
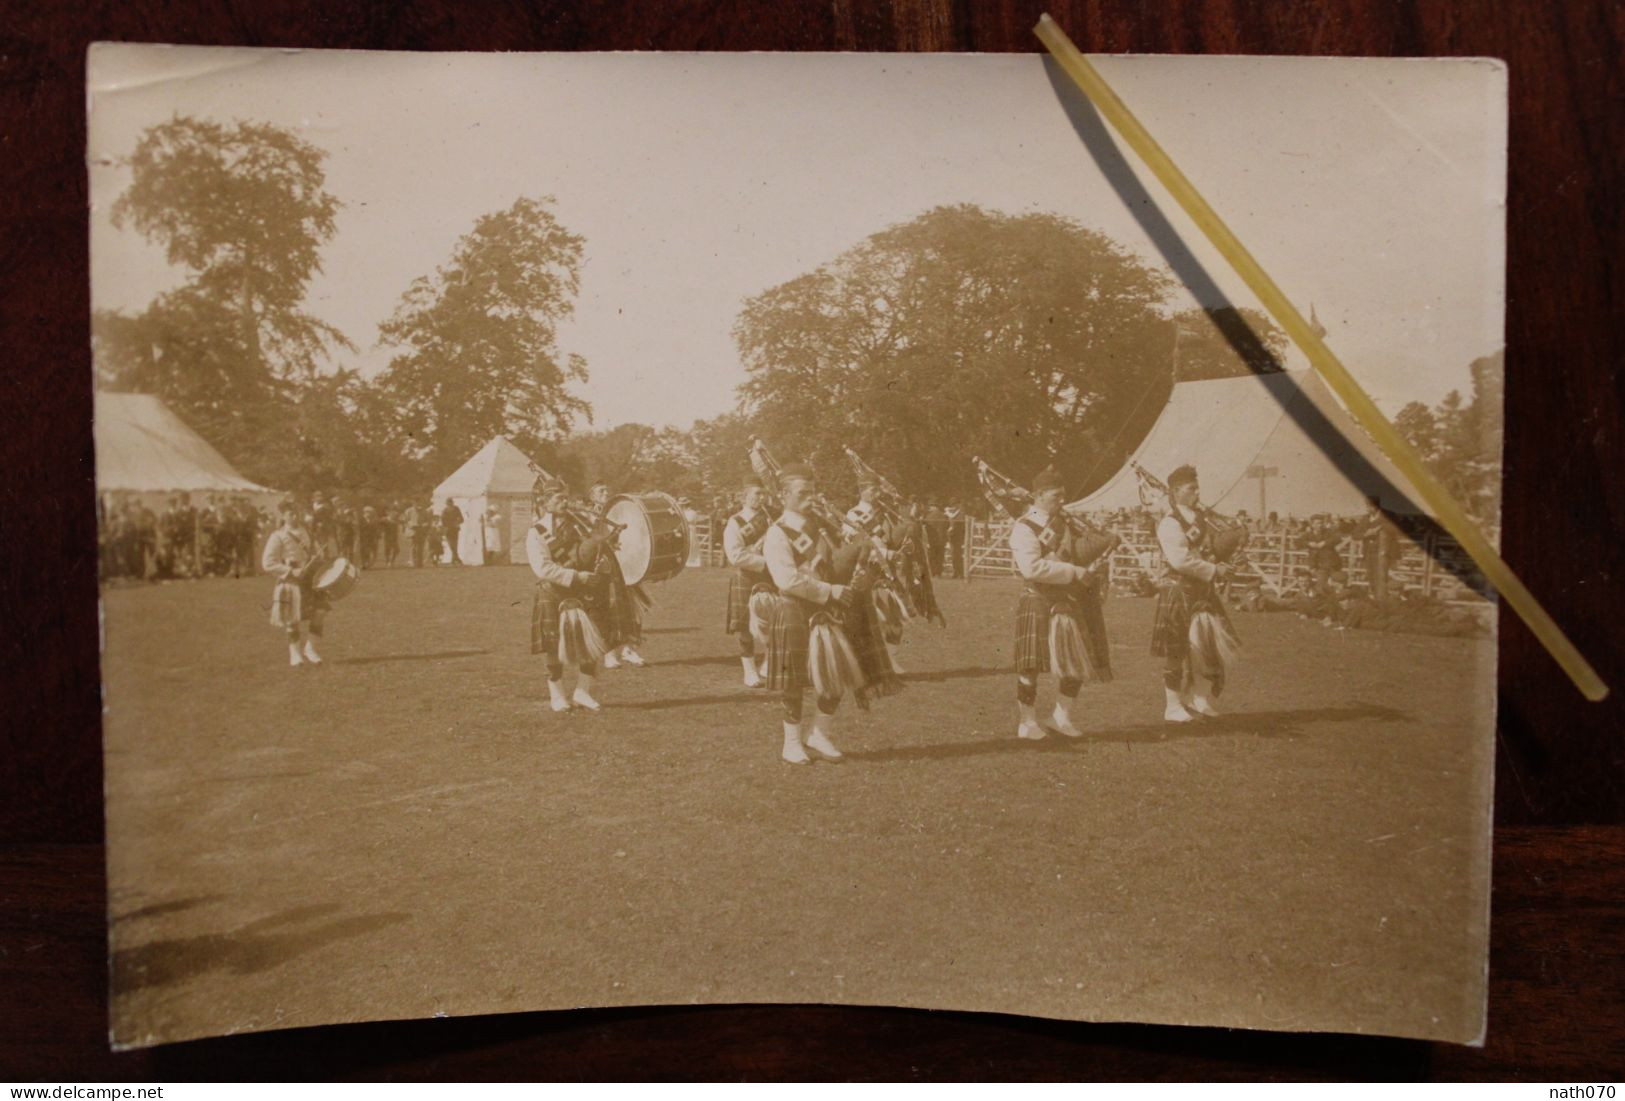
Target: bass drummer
(625, 622)
(294, 557)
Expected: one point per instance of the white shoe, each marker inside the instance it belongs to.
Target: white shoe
(819, 741)
(752, 680)
(611, 661)
(632, 657)
(310, 653)
(1029, 727)
(793, 751)
(582, 696)
(1175, 711)
(892, 656)
(555, 691)
(294, 657)
(1062, 721)
(1202, 706)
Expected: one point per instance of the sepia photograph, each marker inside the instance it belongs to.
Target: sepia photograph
(660, 529)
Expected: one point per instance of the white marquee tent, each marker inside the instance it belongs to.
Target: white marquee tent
(497, 477)
(1263, 443)
(143, 448)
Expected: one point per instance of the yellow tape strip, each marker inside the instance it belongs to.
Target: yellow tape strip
(1445, 507)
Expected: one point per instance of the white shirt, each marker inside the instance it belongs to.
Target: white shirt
(1033, 562)
(791, 579)
(1177, 552)
(541, 558)
(733, 543)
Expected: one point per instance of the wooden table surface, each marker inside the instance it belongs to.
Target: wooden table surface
(1558, 944)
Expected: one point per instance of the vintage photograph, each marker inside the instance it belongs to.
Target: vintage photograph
(629, 529)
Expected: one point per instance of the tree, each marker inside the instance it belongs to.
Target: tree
(244, 210)
(1226, 342)
(1026, 339)
(1420, 428)
(477, 340)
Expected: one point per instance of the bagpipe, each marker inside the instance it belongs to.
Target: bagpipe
(1229, 535)
(896, 508)
(1091, 545)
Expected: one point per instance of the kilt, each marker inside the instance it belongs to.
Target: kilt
(293, 602)
(544, 617)
(741, 585)
(619, 612)
(1033, 613)
(787, 630)
(1178, 601)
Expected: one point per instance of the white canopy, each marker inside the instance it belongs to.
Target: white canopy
(1263, 443)
(143, 447)
(496, 479)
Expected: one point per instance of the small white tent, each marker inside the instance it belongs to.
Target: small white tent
(1263, 443)
(143, 448)
(497, 478)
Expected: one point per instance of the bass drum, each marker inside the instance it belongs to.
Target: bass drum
(654, 538)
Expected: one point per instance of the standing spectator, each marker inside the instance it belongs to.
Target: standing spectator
(431, 535)
(345, 521)
(957, 520)
(413, 531)
(492, 532)
(936, 535)
(389, 526)
(1379, 546)
(367, 532)
(451, 522)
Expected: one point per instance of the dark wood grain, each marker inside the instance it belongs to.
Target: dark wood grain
(1557, 957)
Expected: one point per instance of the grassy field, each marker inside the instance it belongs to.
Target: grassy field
(408, 830)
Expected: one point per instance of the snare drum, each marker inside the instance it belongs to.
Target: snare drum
(654, 538)
(337, 579)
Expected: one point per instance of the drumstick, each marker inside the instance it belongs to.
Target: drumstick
(1449, 511)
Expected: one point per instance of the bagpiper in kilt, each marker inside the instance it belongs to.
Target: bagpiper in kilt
(1191, 630)
(806, 642)
(570, 598)
(622, 606)
(750, 587)
(1060, 627)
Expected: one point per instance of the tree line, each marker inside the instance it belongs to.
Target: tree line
(1027, 339)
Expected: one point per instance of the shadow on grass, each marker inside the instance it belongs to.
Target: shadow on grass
(257, 946)
(741, 695)
(669, 630)
(710, 659)
(970, 672)
(379, 659)
(1283, 725)
(158, 909)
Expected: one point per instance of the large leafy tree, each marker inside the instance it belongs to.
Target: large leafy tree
(1026, 339)
(477, 341)
(244, 210)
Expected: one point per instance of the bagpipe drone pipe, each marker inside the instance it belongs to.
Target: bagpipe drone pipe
(1091, 545)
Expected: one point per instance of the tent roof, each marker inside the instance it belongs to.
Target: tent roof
(498, 467)
(142, 446)
(1317, 458)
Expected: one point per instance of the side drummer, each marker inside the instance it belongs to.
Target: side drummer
(562, 626)
(1191, 632)
(1051, 616)
(806, 614)
(751, 583)
(294, 557)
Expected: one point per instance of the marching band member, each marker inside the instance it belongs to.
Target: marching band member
(1058, 624)
(750, 590)
(805, 640)
(625, 622)
(567, 592)
(1192, 631)
(293, 556)
(867, 520)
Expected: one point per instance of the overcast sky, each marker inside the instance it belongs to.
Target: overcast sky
(1373, 188)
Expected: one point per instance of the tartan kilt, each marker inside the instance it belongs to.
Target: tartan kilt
(544, 617)
(787, 631)
(1033, 613)
(741, 586)
(1177, 603)
(294, 602)
(860, 620)
(622, 616)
